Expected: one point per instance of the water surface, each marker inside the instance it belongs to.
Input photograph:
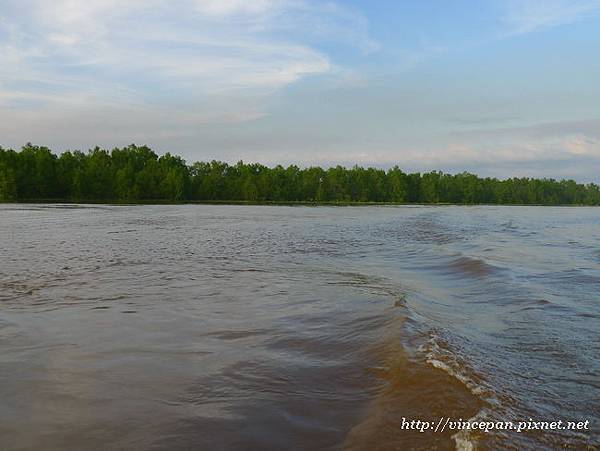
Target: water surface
(249, 327)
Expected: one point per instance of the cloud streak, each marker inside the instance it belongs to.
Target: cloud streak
(159, 53)
(527, 16)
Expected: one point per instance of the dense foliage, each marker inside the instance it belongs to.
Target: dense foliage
(137, 173)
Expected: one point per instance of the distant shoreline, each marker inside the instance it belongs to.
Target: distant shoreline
(278, 203)
(137, 175)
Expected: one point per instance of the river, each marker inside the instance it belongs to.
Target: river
(271, 327)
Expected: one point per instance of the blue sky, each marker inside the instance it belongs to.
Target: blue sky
(497, 87)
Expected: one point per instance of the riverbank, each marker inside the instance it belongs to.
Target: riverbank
(290, 203)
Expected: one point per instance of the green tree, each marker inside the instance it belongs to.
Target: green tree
(8, 184)
(135, 173)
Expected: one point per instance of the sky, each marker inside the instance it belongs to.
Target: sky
(496, 87)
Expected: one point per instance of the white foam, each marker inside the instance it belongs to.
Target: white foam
(463, 438)
(446, 361)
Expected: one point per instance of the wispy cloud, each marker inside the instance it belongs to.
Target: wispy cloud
(161, 54)
(229, 7)
(526, 16)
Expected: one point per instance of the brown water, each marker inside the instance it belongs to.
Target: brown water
(258, 328)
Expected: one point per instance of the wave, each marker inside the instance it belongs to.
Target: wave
(471, 266)
(414, 376)
(414, 388)
(439, 355)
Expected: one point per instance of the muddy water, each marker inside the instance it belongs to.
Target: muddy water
(241, 327)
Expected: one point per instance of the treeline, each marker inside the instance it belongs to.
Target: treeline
(137, 174)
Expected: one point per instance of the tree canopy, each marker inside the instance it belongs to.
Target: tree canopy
(137, 174)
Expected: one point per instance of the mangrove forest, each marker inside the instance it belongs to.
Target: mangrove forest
(137, 174)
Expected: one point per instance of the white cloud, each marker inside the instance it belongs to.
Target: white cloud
(198, 55)
(228, 7)
(526, 16)
(62, 38)
(582, 145)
